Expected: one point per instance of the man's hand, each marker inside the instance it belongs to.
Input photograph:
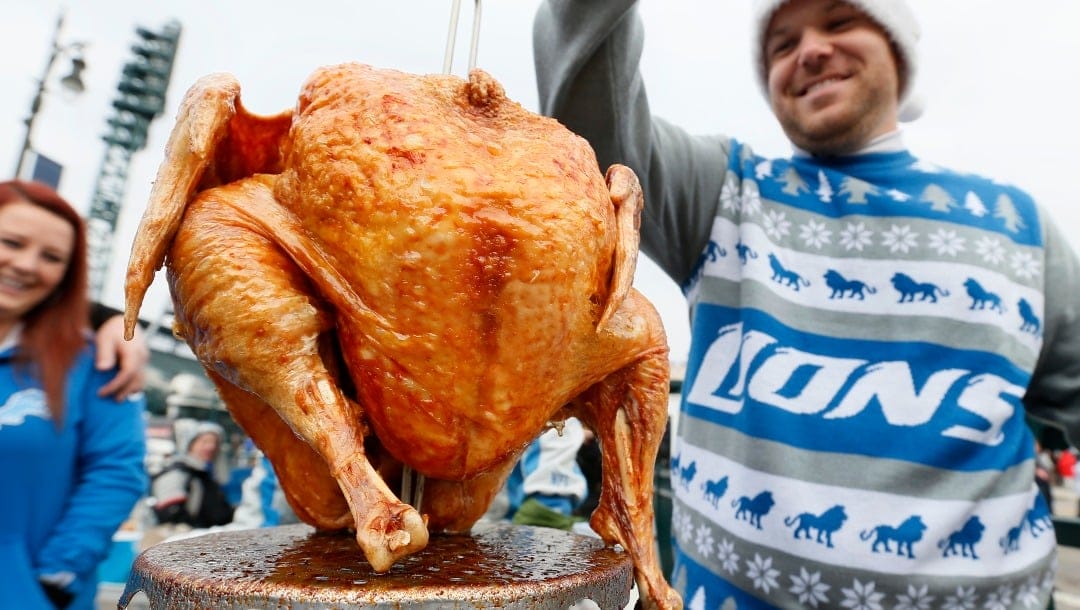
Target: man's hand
(132, 357)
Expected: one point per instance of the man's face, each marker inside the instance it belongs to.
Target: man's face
(832, 76)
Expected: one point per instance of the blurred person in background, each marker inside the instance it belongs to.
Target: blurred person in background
(547, 484)
(185, 494)
(262, 501)
(1044, 473)
(73, 456)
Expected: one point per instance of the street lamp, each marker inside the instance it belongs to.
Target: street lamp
(72, 82)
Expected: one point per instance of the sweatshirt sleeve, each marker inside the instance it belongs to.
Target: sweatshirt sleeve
(110, 479)
(1054, 393)
(587, 56)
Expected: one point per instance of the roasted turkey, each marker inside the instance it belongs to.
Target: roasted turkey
(410, 273)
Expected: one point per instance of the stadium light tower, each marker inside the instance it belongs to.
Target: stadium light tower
(140, 99)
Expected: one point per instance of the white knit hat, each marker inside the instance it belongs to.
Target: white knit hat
(188, 430)
(894, 16)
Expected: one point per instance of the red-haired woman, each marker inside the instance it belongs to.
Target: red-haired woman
(72, 460)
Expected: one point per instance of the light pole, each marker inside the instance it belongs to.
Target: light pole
(72, 82)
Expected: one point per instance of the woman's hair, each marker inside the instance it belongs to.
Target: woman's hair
(53, 331)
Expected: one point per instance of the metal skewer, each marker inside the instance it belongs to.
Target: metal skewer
(451, 37)
(412, 487)
(474, 42)
(412, 483)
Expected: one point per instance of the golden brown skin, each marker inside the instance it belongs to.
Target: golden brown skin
(410, 270)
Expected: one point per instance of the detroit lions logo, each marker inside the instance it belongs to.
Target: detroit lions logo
(752, 510)
(964, 539)
(785, 277)
(687, 473)
(1011, 540)
(909, 289)
(842, 287)
(714, 490)
(23, 404)
(1038, 518)
(905, 536)
(981, 298)
(745, 252)
(712, 253)
(826, 523)
(1031, 323)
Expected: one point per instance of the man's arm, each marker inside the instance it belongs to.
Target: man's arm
(1054, 392)
(587, 57)
(113, 350)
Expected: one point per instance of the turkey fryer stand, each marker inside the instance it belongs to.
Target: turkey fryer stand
(510, 567)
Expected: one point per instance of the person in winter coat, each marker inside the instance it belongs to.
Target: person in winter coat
(185, 492)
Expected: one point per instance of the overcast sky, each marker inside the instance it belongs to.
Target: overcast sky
(999, 79)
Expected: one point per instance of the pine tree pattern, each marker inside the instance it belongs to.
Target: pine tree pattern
(939, 199)
(857, 190)
(824, 190)
(793, 182)
(1005, 209)
(975, 205)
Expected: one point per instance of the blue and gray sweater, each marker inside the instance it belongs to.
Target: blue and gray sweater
(867, 335)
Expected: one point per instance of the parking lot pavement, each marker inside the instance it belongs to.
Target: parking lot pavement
(1067, 593)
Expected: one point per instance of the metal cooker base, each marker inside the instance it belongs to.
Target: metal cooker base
(296, 568)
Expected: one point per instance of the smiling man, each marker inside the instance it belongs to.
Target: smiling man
(833, 74)
(869, 329)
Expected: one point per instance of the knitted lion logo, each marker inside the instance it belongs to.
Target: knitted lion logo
(23, 404)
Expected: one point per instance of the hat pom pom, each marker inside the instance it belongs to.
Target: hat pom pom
(911, 108)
